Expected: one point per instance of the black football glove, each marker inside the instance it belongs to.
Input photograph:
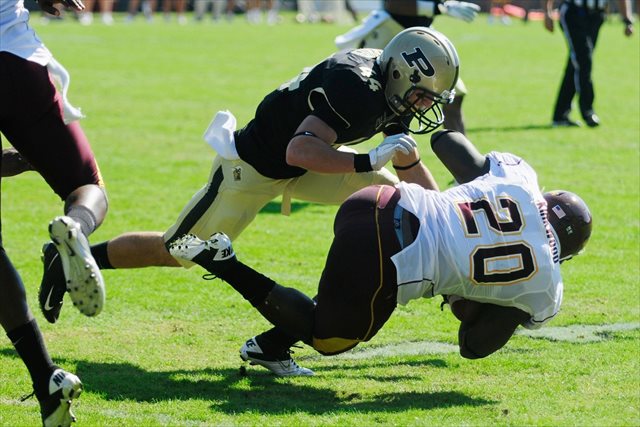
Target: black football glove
(47, 5)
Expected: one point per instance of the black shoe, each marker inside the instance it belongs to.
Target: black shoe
(55, 408)
(53, 285)
(592, 120)
(567, 123)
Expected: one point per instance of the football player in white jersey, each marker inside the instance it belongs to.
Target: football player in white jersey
(492, 246)
(39, 123)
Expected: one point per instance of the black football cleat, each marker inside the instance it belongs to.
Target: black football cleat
(592, 120)
(53, 285)
(55, 408)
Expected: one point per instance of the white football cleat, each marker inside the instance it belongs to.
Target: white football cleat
(56, 408)
(191, 248)
(83, 277)
(282, 364)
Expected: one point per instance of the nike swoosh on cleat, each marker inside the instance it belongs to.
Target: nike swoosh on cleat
(46, 303)
(52, 261)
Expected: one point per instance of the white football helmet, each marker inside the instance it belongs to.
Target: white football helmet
(420, 63)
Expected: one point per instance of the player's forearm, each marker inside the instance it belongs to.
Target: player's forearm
(474, 345)
(459, 155)
(415, 172)
(490, 331)
(313, 154)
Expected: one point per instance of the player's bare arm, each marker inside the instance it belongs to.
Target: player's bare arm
(459, 155)
(485, 328)
(311, 148)
(410, 168)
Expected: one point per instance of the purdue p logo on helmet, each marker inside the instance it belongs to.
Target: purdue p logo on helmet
(420, 63)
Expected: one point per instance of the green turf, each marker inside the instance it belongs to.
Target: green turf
(164, 351)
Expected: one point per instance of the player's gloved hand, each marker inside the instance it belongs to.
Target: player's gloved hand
(47, 5)
(380, 155)
(460, 9)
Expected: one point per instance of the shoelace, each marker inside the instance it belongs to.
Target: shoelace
(209, 276)
(288, 352)
(27, 396)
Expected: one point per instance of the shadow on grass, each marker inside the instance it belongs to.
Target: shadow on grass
(233, 392)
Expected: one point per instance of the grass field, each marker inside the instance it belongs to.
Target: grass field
(165, 350)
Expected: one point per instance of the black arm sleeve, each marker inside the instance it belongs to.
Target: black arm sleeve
(490, 331)
(459, 155)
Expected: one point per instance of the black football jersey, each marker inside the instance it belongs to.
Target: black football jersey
(346, 91)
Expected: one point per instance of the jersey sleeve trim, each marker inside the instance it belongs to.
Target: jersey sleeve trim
(322, 92)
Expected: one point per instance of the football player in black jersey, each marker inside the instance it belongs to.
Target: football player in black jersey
(295, 145)
(380, 26)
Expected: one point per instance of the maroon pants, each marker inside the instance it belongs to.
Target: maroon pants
(31, 119)
(357, 290)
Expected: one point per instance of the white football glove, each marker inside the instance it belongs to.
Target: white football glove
(380, 155)
(460, 9)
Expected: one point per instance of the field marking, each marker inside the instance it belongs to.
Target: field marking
(578, 334)
(401, 349)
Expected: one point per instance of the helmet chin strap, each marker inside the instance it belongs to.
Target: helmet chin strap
(555, 236)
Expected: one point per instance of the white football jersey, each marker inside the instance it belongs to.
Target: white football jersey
(17, 37)
(487, 240)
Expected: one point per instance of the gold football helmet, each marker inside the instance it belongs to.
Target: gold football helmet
(421, 69)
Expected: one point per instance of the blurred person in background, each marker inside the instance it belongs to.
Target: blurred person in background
(177, 6)
(254, 11)
(580, 21)
(380, 26)
(218, 8)
(148, 8)
(106, 12)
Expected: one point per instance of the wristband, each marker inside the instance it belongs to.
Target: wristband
(404, 168)
(627, 21)
(362, 163)
(304, 133)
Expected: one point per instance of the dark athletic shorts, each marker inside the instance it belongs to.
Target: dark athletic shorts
(357, 290)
